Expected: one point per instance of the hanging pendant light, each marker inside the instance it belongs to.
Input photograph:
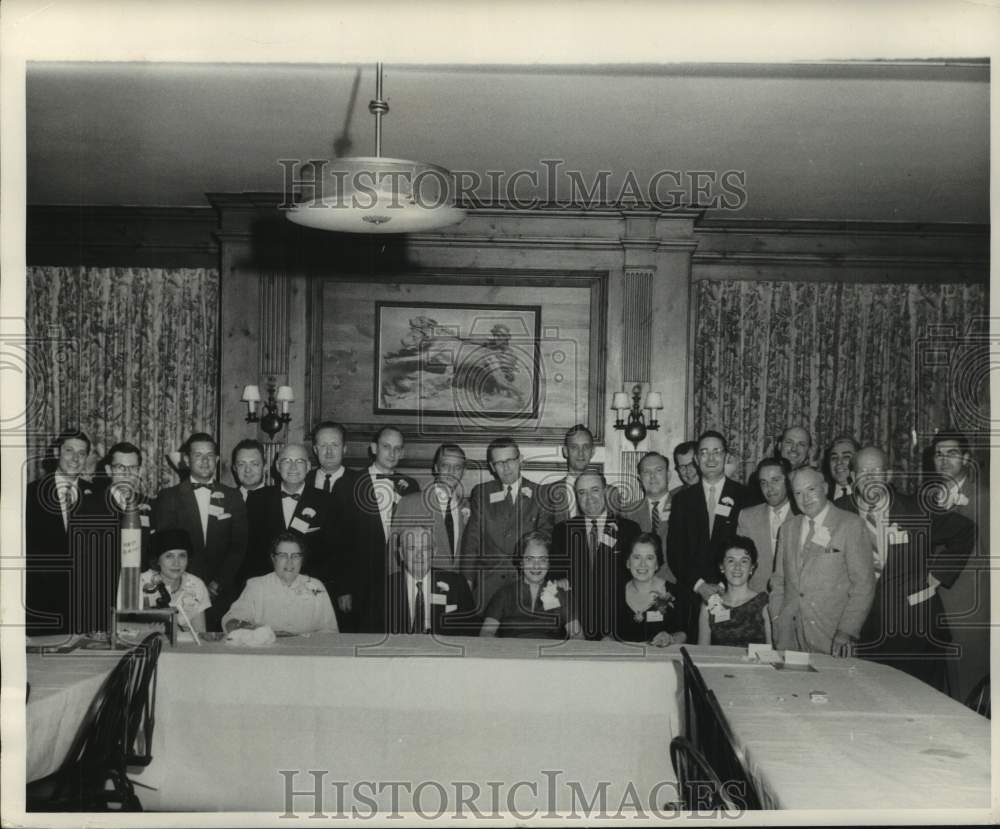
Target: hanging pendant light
(380, 195)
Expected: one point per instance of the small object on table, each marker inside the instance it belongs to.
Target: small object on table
(251, 637)
(818, 697)
(764, 654)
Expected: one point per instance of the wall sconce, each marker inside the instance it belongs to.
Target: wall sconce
(637, 427)
(271, 421)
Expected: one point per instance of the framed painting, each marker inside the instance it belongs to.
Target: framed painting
(462, 354)
(457, 359)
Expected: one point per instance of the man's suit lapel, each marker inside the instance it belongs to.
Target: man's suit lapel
(189, 508)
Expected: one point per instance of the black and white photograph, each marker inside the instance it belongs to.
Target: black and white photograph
(541, 415)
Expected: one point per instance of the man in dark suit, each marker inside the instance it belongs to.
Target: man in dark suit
(963, 487)
(686, 465)
(289, 505)
(916, 553)
(332, 478)
(838, 467)
(442, 507)
(64, 554)
(558, 498)
(652, 513)
(590, 550)
(502, 510)
(215, 519)
(703, 520)
(246, 463)
(762, 522)
(426, 599)
(364, 567)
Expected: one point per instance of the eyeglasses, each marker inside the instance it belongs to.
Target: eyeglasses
(293, 462)
(122, 469)
(288, 556)
(955, 454)
(710, 453)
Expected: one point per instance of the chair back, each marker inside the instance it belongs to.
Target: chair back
(979, 699)
(708, 731)
(699, 787)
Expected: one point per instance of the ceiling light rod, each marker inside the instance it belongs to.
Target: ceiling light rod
(378, 108)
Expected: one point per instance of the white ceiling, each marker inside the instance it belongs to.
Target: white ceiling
(866, 141)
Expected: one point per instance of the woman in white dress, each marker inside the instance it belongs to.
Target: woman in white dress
(171, 550)
(285, 600)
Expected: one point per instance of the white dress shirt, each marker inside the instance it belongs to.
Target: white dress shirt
(411, 594)
(385, 497)
(289, 505)
(776, 516)
(203, 496)
(818, 522)
(321, 473)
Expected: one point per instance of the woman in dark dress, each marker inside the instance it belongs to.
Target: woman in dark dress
(648, 610)
(531, 606)
(737, 616)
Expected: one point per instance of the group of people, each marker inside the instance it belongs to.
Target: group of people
(837, 563)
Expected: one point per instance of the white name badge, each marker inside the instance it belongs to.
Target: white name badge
(450, 608)
(439, 598)
(821, 536)
(721, 614)
(216, 510)
(299, 525)
(497, 497)
(654, 616)
(550, 602)
(610, 540)
(723, 510)
(899, 537)
(143, 520)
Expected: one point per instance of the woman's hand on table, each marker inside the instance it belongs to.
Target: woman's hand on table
(843, 645)
(237, 624)
(662, 640)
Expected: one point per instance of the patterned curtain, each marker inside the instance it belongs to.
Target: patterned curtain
(124, 354)
(885, 363)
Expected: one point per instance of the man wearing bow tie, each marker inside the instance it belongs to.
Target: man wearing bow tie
(247, 466)
(839, 456)
(293, 506)
(57, 566)
(502, 510)
(590, 550)
(370, 507)
(214, 517)
(916, 554)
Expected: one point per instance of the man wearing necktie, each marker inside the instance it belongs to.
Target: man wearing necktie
(963, 489)
(824, 578)
(652, 513)
(246, 463)
(501, 511)
(558, 498)
(917, 554)
(839, 456)
(424, 598)
(215, 519)
(54, 567)
(703, 518)
(589, 551)
(363, 556)
(762, 522)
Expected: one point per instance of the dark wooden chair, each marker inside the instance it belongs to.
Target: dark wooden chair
(115, 733)
(698, 785)
(979, 698)
(708, 732)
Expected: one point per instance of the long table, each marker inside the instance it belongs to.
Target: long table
(532, 727)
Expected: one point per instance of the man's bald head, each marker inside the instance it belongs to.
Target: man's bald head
(871, 476)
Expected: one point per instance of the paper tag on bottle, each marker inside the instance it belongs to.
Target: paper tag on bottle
(131, 548)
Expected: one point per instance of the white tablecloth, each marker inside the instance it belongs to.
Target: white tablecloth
(882, 740)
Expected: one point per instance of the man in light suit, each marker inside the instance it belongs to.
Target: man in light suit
(371, 504)
(761, 522)
(214, 517)
(289, 505)
(824, 580)
(502, 510)
(558, 498)
(703, 520)
(442, 507)
(590, 551)
(426, 599)
(652, 513)
(916, 554)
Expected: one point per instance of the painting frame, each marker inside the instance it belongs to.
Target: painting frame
(455, 344)
(334, 296)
